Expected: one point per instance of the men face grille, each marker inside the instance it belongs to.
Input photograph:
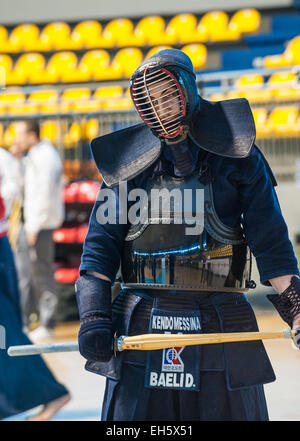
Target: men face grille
(159, 100)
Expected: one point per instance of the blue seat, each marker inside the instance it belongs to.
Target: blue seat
(243, 58)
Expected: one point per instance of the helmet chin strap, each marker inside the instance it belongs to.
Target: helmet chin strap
(182, 156)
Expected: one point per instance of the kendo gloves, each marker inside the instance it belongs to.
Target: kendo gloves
(288, 305)
(95, 336)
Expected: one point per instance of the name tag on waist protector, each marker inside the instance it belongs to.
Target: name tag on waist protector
(175, 367)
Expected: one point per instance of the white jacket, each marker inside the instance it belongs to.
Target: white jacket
(43, 188)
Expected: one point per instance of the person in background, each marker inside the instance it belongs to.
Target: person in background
(43, 212)
(25, 382)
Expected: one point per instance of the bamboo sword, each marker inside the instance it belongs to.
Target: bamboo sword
(151, 342)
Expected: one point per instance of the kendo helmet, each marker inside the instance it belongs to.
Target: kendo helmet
(164, 92)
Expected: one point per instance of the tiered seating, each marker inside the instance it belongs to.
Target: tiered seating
(149, 31)
(289, 57)
(281, 121)
(280, 86)
(72, 100)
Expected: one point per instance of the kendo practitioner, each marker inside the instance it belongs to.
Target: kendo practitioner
(177, 282)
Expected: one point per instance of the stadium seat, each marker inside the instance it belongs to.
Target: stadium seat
(289, 57)
(59, 68)
(284, 85)
(246, 20)
(123, 65)
(9, 136)
(25, 66)
(1, 134)
(73, 135)
(45, 99)
(24, 37)
(87, 191)
(184, 27)
(3, 39)
(57, 36)
(65, 235)
(214, 25)
(91, 129)
(66, 275)
(249, 82)
(197, 53)
(82, 231)
(91, 64)
(11, 99)
(88, 34)
(49, 130)
(6, 64)
(71, 97)
(260, 116)
(283, 121)
(118, 33)
(150, 30)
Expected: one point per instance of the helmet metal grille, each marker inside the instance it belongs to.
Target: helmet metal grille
(158, 98)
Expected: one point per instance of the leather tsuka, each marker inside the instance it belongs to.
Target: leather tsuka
(95, 336)
(288, 302)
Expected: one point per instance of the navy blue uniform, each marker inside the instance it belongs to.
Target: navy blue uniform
(232, 375)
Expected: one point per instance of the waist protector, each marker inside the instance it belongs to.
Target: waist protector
(182, 244)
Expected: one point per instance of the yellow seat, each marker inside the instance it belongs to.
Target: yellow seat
(1, 134)
(247, 82)
(118, 32)
(3, 39)
(90, 66)
(73, 135)
(6, 66)
(70, 97)
(9, 136)
(57, 36)
(11, 99)
(197, 53)
(104, 94)
(46, 100)
(88, 34)
(49, 130)
(282, 84)
(246, 20)
(289, 57)
(25, 66)
(123, 65)
(215, 26)
(260, 116)
(91, 129)
(24, 37)
(151, 30)
(184, 27)
(283, 121)
(59, 68)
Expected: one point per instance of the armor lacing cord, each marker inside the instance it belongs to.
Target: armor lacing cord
(288, 303)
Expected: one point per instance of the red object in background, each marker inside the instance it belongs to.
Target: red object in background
(2, 208)
(66, 275)
(71, 192)
(65, 235)
(88, 191)
(82, 232)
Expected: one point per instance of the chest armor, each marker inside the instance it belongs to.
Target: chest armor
(163, 252)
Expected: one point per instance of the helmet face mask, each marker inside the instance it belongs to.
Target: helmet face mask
(160, 101)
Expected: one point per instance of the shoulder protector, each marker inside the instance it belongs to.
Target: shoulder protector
(124, 154)
(225, 128)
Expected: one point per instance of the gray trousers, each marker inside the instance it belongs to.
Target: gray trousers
(36, 277)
